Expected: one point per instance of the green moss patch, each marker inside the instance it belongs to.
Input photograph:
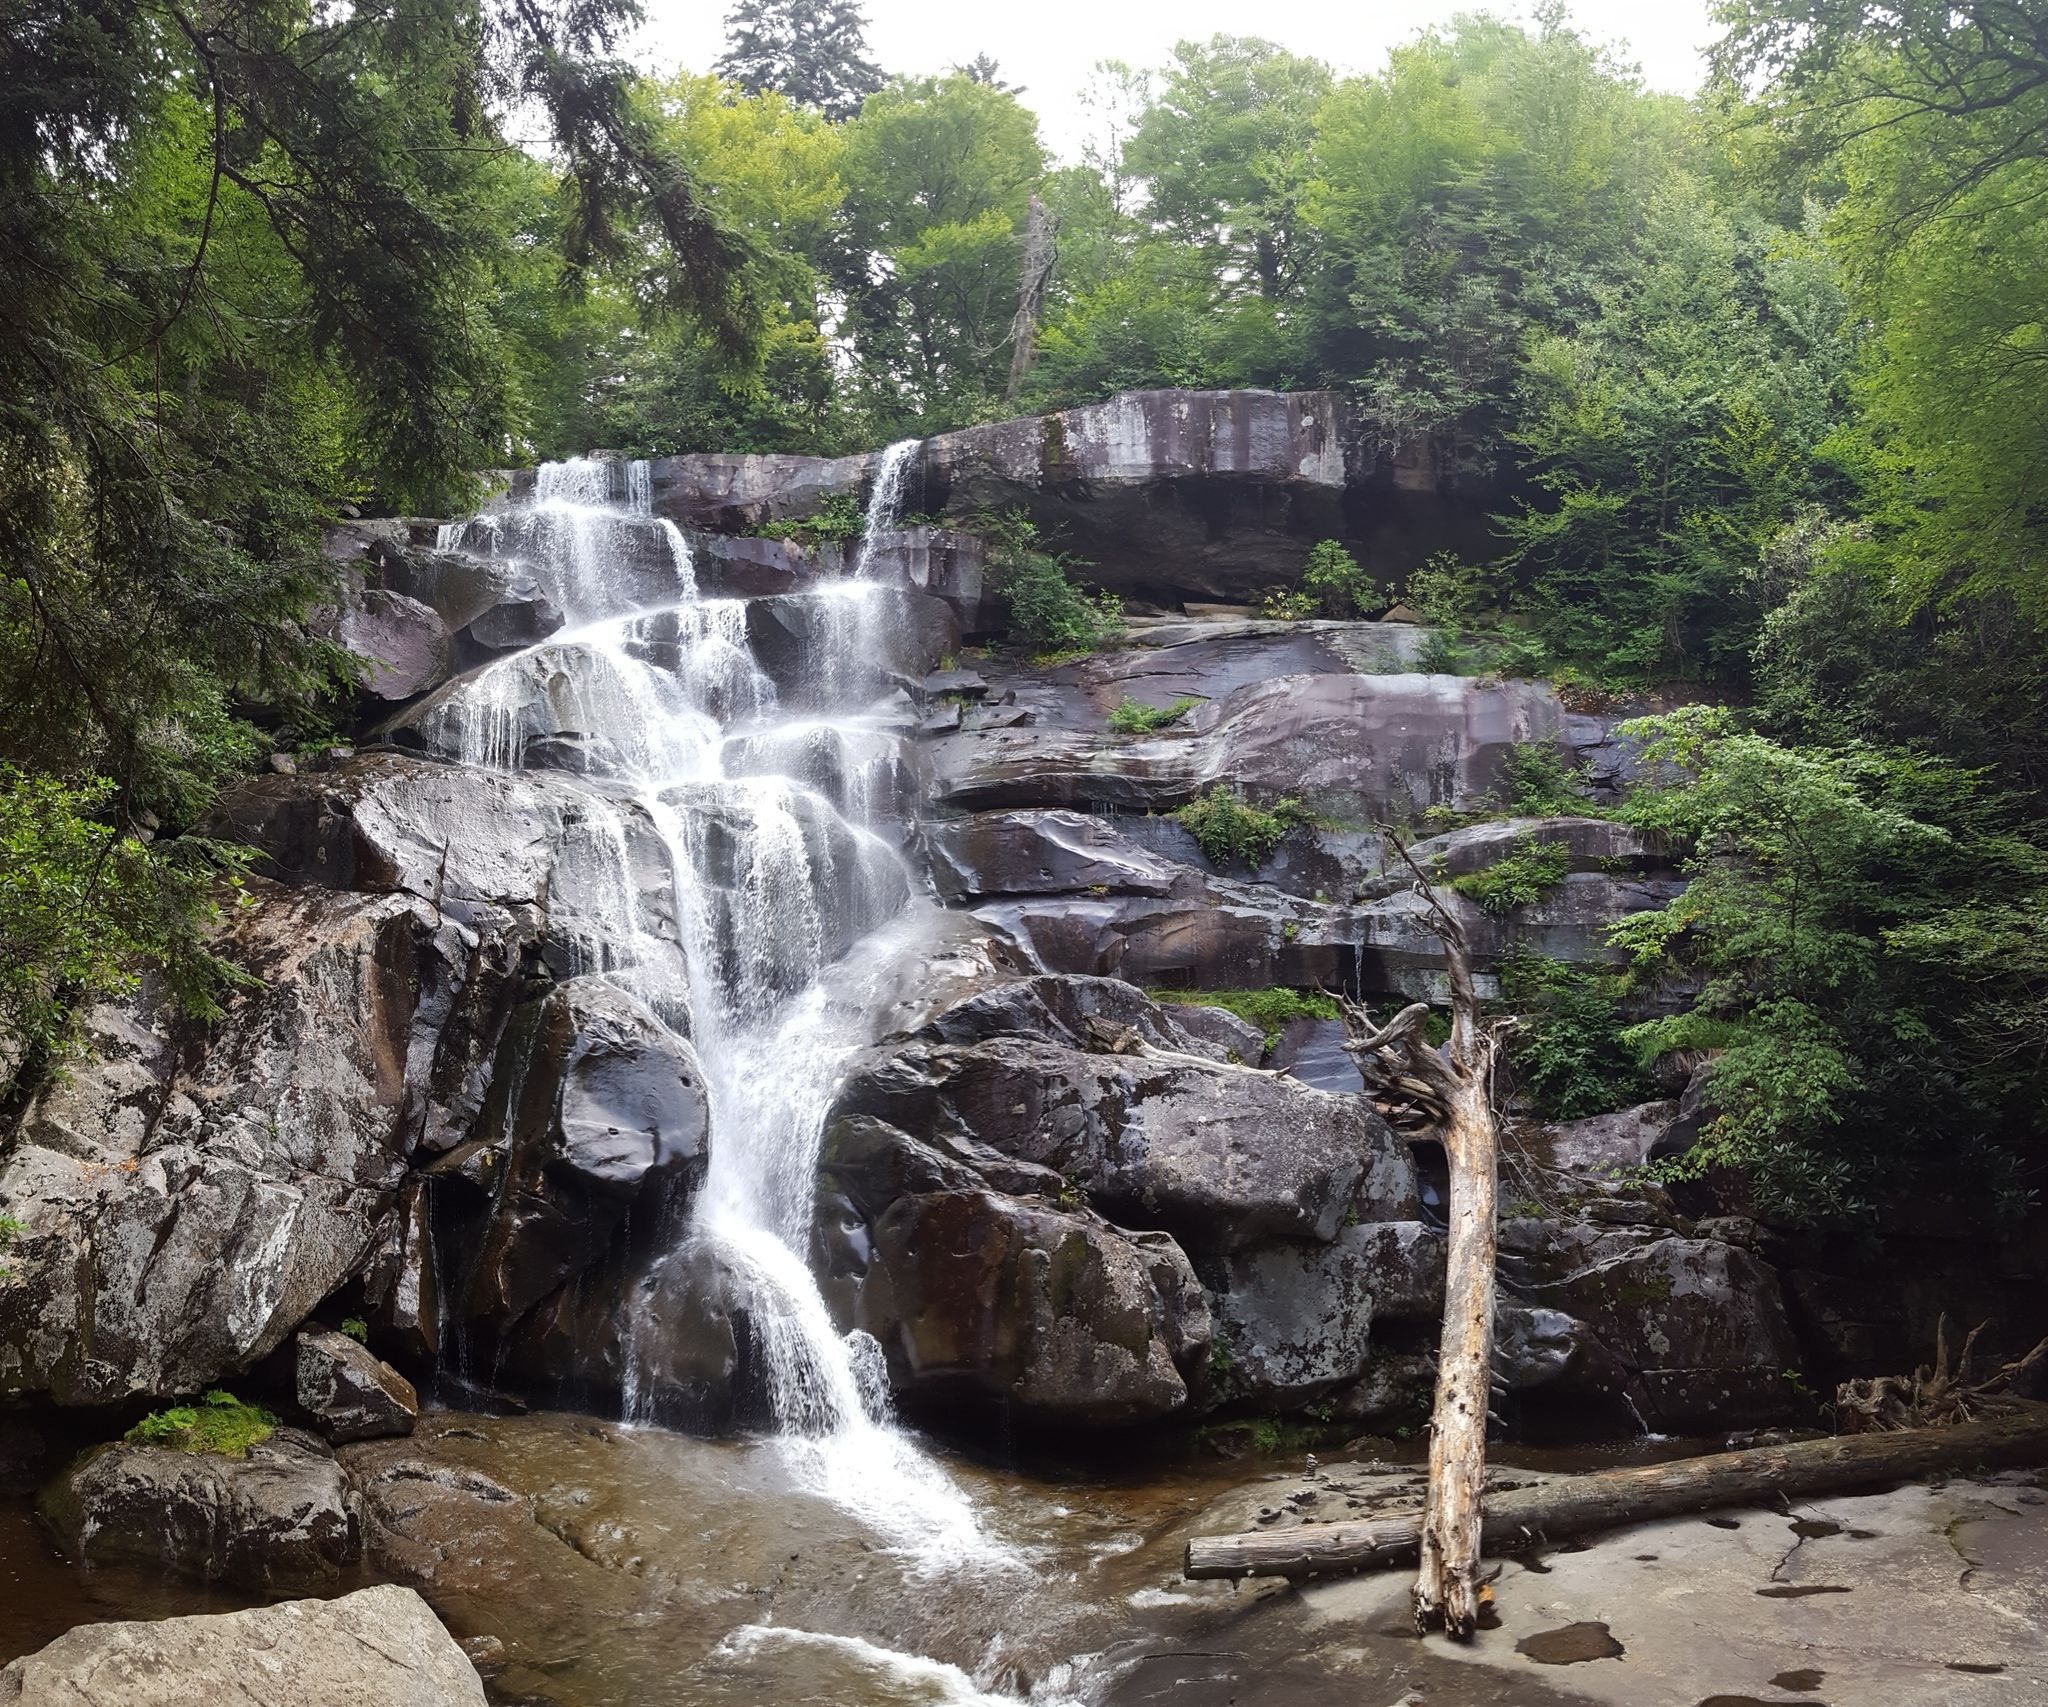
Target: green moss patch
(219, 1423)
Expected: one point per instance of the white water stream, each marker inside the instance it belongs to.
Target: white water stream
(790, 893)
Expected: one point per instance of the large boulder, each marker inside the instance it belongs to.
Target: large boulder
(188, 1195)
(378, 1647)
(595, 1106)
(403, 642)
(1050, 1313)
(282, 1520)
(1040, 852)
(473, 843)
(350, 1392)
(1687, 1333)
(1218, 1155)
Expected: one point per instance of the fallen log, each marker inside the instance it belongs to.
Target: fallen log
(1525, 1518)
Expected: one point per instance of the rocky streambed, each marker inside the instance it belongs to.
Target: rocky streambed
(587, 1565)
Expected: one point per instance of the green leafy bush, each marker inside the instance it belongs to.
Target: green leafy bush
(1269, 1010)
(1278, 606)
(1572, 1056)
(1229, 829)
(838, 521)
(1519, 878)
(1338, 585)
(219, 1423)
(357, 1329)
(1134, 717)
(1049, 613)
(84, 906)
(1540, 782)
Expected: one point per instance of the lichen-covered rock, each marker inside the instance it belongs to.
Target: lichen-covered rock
(283, 1520)
(1297, 1317)
(188, 1195)
(1690, 1332)
(1052, 1313)
(350, 1392)
(378, 1647)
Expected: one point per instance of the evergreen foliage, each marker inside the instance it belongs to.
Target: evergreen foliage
(812, 51)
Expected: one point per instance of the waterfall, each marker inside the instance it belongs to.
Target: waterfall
(792, 893)
(885, 502)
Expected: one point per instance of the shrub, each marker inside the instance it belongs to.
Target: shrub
(1278, 606)
(220, 1423)
(1269, 1010)
(1540, 782)
(1134, 717)
(1518, 878)
(357, 1329)
(1228, 829)
(838, 520)
(1339, 587)
(1572, 1056)
(1049, 614)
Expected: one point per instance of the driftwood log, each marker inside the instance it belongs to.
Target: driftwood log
(1526, 1518)
(1456, 1088)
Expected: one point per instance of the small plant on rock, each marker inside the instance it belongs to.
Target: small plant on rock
(1519, 878)
(1278, 606)
(357, 1329)
(1228, 829)
(1134, 717)
(1338, 585)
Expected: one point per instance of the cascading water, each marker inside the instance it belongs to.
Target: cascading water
(789, 892)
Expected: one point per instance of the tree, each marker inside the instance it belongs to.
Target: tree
(1857, 929)
(939, 174)
(813, 51)
(1929, 124)
(1224, 152)
(1458, 1087)
(1686, 419)
(254, 261)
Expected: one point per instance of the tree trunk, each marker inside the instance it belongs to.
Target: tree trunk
(1034, 279)
(1447, 1583)
(1460, 1083)
(1526, 1518)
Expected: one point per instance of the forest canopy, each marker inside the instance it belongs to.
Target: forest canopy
(1749, 385)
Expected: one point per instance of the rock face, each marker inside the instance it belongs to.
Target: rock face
(1367, 747)
(1092, 1189)
(596, 1106)
(1684, 1333)
(975, 1294)
(350, 1393)
(378, 1647)
(282, 1520)
(403, 642)
(1212, 494)
(185, 1208)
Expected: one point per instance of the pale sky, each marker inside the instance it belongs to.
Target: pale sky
(1049, 46)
